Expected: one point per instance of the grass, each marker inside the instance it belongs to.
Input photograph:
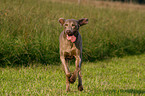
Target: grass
(29, 53)
(117, 76)
(29, 31)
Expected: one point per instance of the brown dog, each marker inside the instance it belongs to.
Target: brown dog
(71, 46)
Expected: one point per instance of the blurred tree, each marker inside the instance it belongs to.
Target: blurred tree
(130, 1)
(141, 1)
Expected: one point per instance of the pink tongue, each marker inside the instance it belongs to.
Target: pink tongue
(72, 38)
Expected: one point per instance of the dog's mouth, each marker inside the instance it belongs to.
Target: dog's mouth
(70, 34)
(71, 37)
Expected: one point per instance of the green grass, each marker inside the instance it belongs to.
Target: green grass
(29, 49)
(113, 77)
(29, 31)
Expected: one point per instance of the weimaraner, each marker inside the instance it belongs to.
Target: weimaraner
(71, 47)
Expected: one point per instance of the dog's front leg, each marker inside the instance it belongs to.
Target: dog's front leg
(67, 79)
(67, 84)
(75, 73)
(67, 72)
(80, 86)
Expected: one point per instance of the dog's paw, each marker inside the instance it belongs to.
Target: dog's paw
(72, 80)
(80, 87)
(68, 75)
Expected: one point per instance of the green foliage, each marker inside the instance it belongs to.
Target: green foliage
(29, 31)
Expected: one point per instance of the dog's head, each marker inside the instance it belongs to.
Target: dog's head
(71, 26)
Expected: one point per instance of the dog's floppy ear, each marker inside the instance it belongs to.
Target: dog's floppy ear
(61, 21)
(83, 21)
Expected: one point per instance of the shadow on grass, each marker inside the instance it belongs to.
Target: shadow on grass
(50, 61)
(133, 91)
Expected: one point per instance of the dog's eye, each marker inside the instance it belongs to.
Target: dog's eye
(73, 25)
(66, 24)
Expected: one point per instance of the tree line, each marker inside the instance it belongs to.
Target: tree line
(130, 1)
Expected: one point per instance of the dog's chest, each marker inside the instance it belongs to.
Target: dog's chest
(70, 50)
(69, 47)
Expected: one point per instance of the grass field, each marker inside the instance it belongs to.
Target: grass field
(113, 48)
(114, 77)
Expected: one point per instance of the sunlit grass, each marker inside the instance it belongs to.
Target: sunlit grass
(116, 76)
(29, 32)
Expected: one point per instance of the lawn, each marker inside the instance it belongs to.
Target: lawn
(113, 48)
(116, 76)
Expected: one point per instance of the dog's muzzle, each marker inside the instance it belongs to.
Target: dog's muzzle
(69, 32)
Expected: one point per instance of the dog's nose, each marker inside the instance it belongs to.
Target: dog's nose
(68, 31)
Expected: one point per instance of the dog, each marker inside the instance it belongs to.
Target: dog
(70, 45)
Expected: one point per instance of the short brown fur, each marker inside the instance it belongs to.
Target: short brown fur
(70, 50)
